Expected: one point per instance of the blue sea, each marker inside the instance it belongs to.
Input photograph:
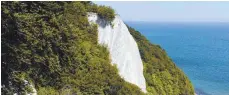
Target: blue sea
(201, 50)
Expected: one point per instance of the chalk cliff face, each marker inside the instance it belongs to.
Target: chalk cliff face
(122, 47)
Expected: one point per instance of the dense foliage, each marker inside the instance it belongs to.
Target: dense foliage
(104, 12)
(52, 45)
(161, 74)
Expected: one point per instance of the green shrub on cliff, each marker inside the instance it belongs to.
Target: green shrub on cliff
(104, 12)
(161, 74)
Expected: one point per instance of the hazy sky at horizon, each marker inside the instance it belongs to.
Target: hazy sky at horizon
(170, 11)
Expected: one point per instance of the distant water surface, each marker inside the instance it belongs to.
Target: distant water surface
(201, 50)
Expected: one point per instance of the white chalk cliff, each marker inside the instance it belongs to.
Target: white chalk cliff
(122, 47)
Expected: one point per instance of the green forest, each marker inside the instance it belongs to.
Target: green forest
(53, 46)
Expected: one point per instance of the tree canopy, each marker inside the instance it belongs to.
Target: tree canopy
(53, 46)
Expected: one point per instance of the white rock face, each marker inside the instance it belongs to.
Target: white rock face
(123, 49)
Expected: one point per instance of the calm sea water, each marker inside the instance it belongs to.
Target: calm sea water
(201, 50)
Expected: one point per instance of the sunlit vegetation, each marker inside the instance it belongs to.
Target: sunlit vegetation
(104, 12)
(161, 74)
(52, 45)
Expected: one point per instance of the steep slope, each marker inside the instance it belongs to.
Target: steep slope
(123, 49)
(161, 74)
(53, 47)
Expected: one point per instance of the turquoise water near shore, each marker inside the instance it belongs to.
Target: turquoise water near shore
(201, 50)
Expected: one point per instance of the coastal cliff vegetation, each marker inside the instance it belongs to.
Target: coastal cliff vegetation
(53, 46)
(162, 76)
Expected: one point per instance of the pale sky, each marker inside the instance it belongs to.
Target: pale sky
(170, 11)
